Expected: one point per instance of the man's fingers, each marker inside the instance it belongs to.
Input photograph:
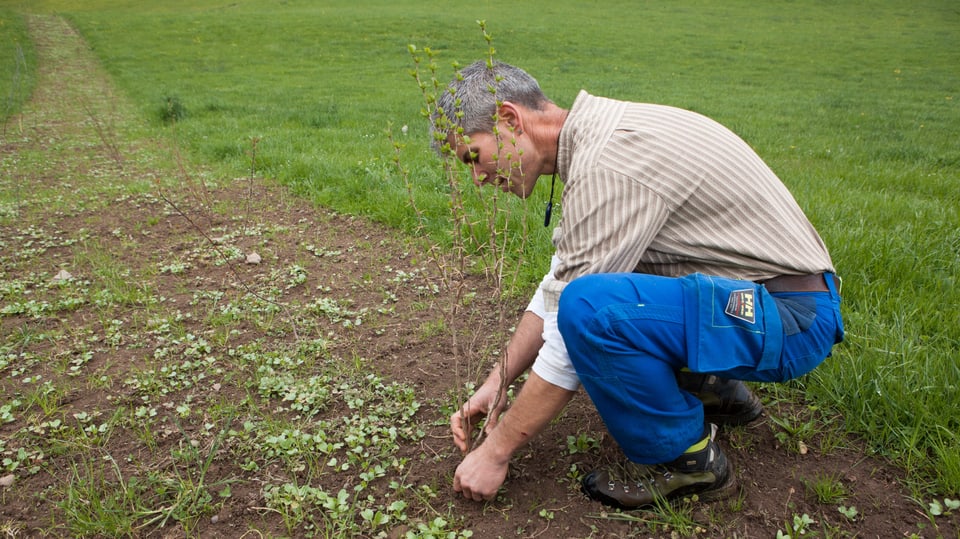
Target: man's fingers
(471, 414)
(461, 427)
(460, 442)
(458, 487)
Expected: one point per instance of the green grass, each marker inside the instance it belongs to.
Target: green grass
(855, 105)
(17, 63)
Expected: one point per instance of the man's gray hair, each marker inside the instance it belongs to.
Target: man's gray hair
(470, 101)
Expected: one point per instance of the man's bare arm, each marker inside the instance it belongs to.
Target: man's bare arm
(490, 398)
(522, 349)
(484, 469)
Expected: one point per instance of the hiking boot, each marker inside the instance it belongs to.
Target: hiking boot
(725, 402)
(632, 486)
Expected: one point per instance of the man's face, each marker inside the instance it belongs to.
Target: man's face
(493, 165)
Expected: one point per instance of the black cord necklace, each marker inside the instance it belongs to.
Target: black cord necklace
(546, 218)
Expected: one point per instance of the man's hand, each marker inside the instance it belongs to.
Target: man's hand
(520, 354)
(480, 474)
(474, 410)
(484, 469)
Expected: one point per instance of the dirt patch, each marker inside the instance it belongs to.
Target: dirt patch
(166, 271)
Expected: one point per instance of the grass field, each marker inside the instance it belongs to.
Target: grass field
(855, 105)
(17, 63)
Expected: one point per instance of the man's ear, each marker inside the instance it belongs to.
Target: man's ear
(512, 115)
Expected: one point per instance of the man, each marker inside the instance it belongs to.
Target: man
(682, 265)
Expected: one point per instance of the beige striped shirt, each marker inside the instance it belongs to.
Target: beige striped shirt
(660, 190)
(665, 191)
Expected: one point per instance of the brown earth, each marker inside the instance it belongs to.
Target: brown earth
(59, 160)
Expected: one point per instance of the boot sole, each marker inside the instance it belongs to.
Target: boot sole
(714, 494)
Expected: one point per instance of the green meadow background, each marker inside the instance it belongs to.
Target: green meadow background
(856, 105)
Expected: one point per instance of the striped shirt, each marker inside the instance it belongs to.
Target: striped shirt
(665, 191)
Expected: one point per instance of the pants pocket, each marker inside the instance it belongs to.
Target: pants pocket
(730, 324)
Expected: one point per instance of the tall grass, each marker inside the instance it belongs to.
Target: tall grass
(855, 105)
(17, 63)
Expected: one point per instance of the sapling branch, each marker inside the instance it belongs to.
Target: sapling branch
(489, 238)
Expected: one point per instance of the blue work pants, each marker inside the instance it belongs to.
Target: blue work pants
(628, 334)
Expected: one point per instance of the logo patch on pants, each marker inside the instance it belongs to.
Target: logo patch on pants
(740, 305)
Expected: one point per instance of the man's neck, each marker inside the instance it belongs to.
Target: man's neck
(544, 130)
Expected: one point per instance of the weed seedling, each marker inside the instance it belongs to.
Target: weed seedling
(849, 512)
(827, 489)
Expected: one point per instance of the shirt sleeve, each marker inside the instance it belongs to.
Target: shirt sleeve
(552, 363)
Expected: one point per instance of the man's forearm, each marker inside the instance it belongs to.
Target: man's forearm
(521, 350)
(538, 403)
(484, 469)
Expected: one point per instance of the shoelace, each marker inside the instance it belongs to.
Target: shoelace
(640, 475)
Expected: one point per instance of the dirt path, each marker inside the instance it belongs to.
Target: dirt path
(157, 263)
(69, 137)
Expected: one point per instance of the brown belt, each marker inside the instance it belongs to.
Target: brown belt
(799, 283)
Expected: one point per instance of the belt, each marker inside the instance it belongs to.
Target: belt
(799, 283)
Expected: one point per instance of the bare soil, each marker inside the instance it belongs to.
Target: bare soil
(61, 146)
